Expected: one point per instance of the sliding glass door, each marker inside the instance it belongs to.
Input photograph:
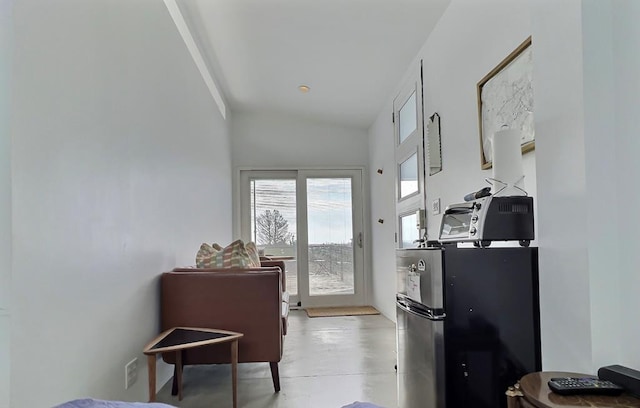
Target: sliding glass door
(312, 220)
(269, 218)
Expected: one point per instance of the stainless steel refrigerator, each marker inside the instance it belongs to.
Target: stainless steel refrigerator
(467, 324)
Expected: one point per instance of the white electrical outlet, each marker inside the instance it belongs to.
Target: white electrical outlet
(130, 373)
(435, 206)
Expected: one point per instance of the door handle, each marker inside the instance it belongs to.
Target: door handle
(360, 239)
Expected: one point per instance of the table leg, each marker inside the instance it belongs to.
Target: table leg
(179, 372)
(151, 364)
(234, 371)
(174, 381)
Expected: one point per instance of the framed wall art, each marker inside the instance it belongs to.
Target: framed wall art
(505, 100)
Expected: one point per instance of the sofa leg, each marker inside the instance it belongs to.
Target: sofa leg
(275, 376)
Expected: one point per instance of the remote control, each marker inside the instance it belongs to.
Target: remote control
(578, 385)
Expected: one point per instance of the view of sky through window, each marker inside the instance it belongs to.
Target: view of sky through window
(328, 206)
(329, 211)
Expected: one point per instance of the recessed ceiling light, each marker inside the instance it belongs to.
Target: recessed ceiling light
(304, 88)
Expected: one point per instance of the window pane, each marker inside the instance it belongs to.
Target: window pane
(273, 223)
(330, 227)
(408, 118)
(409, 230)
(409, 176)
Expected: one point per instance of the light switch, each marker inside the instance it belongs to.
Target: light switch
(435, 206)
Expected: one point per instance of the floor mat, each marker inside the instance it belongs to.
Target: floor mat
(341, 311)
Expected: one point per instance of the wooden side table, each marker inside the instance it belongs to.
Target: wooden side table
(181, 338)
(532, 391)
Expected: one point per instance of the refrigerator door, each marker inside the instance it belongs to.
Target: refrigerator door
(492, 328)
(419, 276)
(420, 359)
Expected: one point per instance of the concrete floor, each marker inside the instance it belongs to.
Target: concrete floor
(328, 362)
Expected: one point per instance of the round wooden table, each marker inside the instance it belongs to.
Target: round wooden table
(536, 393)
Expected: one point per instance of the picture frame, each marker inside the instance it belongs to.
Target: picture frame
(505, 100)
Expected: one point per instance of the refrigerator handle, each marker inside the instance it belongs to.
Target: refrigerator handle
(402, 305)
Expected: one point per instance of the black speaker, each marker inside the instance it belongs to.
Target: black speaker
(623, 376)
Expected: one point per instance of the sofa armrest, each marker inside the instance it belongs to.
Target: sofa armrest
(266, 262)
(280, 264)
(248, 301)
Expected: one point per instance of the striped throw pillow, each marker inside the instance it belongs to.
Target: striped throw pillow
(235, 255)
(252, 250)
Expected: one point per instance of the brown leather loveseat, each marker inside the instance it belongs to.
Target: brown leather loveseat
(249, 301)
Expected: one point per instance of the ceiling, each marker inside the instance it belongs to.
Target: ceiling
(351, 53)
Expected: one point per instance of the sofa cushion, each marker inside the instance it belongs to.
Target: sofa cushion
(235, 255)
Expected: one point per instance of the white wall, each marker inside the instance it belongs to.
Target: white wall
(626, 38)
(383, 193)
(470, 39)
(612, 95)
(563, 234)
(6, 45)
(586, 64)
(268, 140)
(121, 169)
(600, 175)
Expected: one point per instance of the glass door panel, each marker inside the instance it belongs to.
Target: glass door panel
(409, 232)
(409, 176)
(313, 221)
(408, 118)
(330, 234)
(274, 222)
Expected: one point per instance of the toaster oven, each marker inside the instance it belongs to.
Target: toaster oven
(487, 219)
